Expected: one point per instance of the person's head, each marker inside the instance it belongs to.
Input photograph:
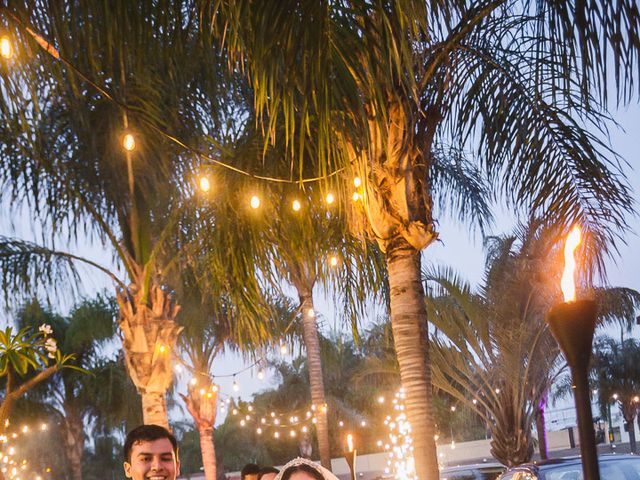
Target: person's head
(302, 471)
(268, 473)
(151, 451)
(250, 472)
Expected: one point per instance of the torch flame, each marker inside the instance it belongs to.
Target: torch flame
(567, 283)
(350, 442)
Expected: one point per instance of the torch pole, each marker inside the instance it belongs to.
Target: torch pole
(573, 325)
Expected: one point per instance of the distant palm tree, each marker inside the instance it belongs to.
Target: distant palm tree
(492, 348)
(616, 370)
(81, 399)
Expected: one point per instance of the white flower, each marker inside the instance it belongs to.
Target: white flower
(46, 329)
(51, 345)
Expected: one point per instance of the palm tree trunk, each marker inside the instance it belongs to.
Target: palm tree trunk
(409, 323)
(149, 336)
(314, 363)
(541, 427)
(208, 451)
(154, 409)
(73, 440)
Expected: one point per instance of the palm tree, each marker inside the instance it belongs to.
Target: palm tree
(492, 349)
(76, 398)
(379, 87)
(64, 158)
(616, 366)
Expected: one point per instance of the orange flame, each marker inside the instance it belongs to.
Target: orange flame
(350, 442)
(568, 283)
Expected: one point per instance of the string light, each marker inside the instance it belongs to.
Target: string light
(311, 313)
(260, 374)
(255, 202)
(330, 198)
(235, 385)
(357, 182)
(333, 261)
(296, 205)
(205, 185)
(356, 196)
(6, 50)
(283, 349)
(128, 142)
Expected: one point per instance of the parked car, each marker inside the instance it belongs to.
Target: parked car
(612, 467)
(479, 471)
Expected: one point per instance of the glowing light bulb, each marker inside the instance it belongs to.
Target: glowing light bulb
(193, 381)
(43, 426)
(615, 396)
(129, 142)
(178, 368)
(283, 349)
(636, 399)
(235, 386)
(205, 185)
(214, 388)
(311, 313)
(292, 433)
(357, 182)
(474, 401)
(260, 374)
(305, 429)
(341, 423)
(162, 348)
(380, 399)
(356, 196)
(333, 261)
(330, 198)
(363, 423)
(235, 411)
(276, 422)
(453, 408)
(255, 202)
(296, 205)
(250, 408)
(259, 431)
(6, 50)
(242, 423)
(25, 429)
(276, 435)
(202, 391)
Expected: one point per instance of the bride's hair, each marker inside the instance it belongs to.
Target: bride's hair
(303, 467)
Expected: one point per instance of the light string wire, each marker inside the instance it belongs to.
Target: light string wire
(51, 50)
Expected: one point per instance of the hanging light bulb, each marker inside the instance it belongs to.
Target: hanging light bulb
(205, 185)
(330, 198)
(260, 374)
(356, 196)
(242, 422)
(292, 433)
(311, 313)
(453, 408)
(259, 431)
(333, 260)
(255, 202)
(129, 142)
(235, 411)
(6, 50)
(276, 434)
(296, 205)
(357, 182)
(235, 386)
(250, 408)
(305, 429)
(283, 349)
(193, 381)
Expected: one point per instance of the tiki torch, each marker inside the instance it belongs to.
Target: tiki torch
(573, 323)
(350, 456)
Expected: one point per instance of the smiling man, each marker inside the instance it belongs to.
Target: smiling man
(151, 453)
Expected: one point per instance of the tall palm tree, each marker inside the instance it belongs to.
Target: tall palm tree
(386, 83)
(64, 158)
(492, 348)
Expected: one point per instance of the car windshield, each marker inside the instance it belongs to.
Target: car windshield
(616, 469)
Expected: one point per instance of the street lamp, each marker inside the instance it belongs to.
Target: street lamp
(573, 323)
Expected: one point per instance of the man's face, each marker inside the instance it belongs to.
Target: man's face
(152, 460)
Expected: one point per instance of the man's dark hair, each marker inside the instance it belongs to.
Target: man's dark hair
(265, 470)
(286, 475)
(249, 469)
(147, 433)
